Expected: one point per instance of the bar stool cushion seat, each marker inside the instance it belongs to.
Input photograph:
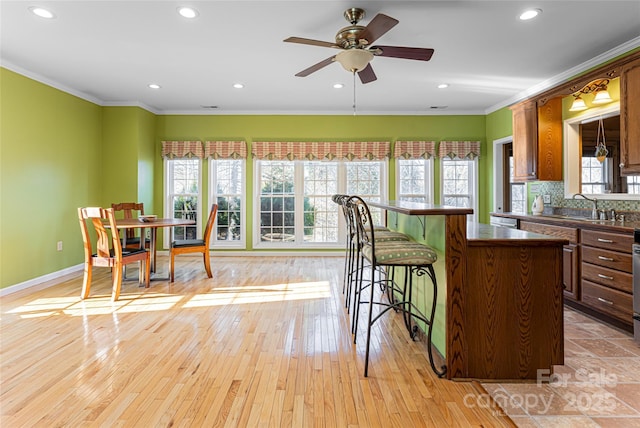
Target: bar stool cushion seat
(390, 236)
(402, 254)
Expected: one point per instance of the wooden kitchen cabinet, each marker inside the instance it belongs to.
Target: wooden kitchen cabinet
(537, 140)
(629, 118)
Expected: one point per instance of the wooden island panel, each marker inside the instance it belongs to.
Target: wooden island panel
(513, 316)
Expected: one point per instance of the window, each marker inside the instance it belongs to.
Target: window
(294, 199)
(366, 179)
(182, 181)
(518, 193)
(593, 175)
(227, 189)
(414, 180)
(459, 183)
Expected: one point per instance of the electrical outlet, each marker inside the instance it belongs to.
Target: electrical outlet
(59, 246)
(546, 199)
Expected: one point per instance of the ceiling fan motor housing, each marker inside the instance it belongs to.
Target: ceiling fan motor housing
(349, 37)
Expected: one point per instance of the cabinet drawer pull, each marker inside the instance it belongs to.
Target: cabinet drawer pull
(607, 241)
(607, 259)
(608, 302)
(605, 276)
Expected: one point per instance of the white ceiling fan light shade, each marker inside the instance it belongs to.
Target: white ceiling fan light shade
(354, 59)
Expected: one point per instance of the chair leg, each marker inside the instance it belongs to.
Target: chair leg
(207, 262)
(117, 282)
(147, 265)
(366, 353)
(86, 282)
(171, 265)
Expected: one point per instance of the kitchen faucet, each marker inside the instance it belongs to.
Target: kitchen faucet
(594, 201)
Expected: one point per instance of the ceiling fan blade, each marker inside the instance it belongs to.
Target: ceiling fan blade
(304, 41)
(378, 26)
(420, 54)
(315, 67)
(367, 75)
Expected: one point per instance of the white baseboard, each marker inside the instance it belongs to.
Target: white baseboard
(53, 277)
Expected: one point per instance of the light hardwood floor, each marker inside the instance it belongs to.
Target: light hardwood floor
(265, 342)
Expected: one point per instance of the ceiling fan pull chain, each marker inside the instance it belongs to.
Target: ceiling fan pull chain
(354, 92)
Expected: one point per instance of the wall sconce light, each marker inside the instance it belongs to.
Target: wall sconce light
(598, 88)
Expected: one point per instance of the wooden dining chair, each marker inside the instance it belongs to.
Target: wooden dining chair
(108, 251)
(196, 245)
(131, 210)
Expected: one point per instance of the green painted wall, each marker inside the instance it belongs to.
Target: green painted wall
(50, 164)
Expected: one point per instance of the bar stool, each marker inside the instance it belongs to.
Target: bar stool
(352, 252)
(414, 257)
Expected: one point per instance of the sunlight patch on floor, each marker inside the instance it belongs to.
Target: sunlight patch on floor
(265, 293)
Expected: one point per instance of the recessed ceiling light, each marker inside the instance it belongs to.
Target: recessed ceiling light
(41, 12)
(338, 86)
(530, 14)
(238, 85)
(443, 85)
(188, 12)
(154, 86)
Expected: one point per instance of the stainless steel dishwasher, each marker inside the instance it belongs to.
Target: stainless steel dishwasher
(636, 285)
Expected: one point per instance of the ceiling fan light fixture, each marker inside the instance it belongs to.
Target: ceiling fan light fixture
(354, 60)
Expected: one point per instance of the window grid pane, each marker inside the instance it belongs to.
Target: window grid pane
(277, 201)
(413, 180)
(228, 176)
(364, 180)
(184, 180)
(456, 182)
(320, 212)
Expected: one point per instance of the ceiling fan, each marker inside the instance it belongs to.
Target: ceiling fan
(355, 42)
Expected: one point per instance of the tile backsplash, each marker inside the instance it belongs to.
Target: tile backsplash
(560, 205)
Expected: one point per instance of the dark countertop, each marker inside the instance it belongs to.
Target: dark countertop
(419, 208)
(567, 221)
(481, 233)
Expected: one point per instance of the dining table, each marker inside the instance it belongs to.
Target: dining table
(153, 225)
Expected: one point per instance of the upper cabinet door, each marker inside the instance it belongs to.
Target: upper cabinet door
(630, 118)
(525, 141)
(537, 140)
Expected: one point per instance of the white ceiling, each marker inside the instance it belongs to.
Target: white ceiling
(109, 51)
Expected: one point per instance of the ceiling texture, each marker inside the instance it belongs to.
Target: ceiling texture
(109, 51)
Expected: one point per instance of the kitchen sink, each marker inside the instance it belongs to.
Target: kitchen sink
(571, 217)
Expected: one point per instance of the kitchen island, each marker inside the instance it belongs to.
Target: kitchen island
(501, 314)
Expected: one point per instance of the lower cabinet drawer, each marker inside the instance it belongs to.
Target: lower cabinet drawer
(606, 258)
(607, 300)
(619, 280)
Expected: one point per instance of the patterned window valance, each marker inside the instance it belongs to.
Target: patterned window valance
(459, 149)
(225, 149)
(414, 149)
(182, 149)
(352, 150)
